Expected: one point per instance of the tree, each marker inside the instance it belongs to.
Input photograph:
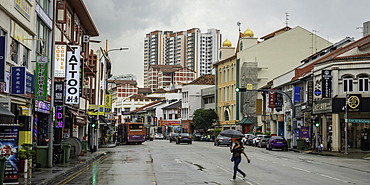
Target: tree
(204, 118)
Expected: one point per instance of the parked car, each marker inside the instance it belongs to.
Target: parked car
(158, 136)
(250, 140)
(263, 141)
(173, 136)
(277, 142)
(222, 140)
(197, 136)
(245, 138)
(183, 138)
(257, 139)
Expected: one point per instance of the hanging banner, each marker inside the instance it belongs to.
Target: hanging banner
(41, 80)
(108, 104)
(73, 74)
(326, 83)
(59, 116)
(60, 56)
(9, 150)
(18, 80)
(2, 58)
(4, 86)
(258, 106)
(297, 94)
(271, 99)
(58, 93)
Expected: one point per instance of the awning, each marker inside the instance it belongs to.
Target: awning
(103, 120)
(80, 120)
(5, 112)
(245, 121)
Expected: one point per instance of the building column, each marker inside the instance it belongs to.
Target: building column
(336, 135)
(324, 133)
(273, 126)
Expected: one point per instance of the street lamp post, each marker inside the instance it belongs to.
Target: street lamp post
(345, 127)
(105, 55)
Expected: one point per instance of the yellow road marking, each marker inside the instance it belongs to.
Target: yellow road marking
(79, 172)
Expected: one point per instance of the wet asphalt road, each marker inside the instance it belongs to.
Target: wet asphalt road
(203, 163)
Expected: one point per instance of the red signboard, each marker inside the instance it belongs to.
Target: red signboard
(271, 99)
(119, 118)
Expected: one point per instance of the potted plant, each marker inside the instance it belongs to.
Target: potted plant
(25, 155)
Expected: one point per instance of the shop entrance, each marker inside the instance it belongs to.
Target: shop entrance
(358, 134)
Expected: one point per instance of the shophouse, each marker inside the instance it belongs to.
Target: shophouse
(343, 76)
(192, 100)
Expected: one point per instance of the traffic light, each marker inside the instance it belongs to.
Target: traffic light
(317, 122)
(240, 89)
(93, 125)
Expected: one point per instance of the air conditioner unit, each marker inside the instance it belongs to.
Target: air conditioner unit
(86, 39)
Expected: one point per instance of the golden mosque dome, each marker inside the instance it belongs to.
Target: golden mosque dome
(248, 33)
(226, 43)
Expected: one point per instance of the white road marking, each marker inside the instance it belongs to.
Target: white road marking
(301, 169)
(334, 178)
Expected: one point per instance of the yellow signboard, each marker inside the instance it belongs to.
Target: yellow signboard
(24, 7)
(249, 87)
(258, 106)
(108, 104)
(93, 110)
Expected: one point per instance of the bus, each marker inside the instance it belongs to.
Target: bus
(130, 132)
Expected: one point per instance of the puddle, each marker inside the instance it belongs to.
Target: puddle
(200, 168)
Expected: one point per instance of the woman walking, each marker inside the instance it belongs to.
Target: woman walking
(237, 150)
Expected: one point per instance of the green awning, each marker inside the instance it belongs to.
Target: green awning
(245, 121)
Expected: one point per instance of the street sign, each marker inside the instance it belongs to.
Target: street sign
(249, 87)
(254, 130)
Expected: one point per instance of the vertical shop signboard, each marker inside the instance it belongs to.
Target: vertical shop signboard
(59, 116)
(73, 74)
(2, 58)
(310, 93)
(326, 83)
(18, 80)
(305, 132)
(41, 80)
(9, 150)
(82, 78)
(4, 86)
(29, 83)
(108, 104)
(60, 56)
(271, 99)
(58, 93)
(297, 94)
(278, 102)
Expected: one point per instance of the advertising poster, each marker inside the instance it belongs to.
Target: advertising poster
(60, 63)
(59, 116)
(18, 80)
(9, 150)
(73, 76)
(305, 132)
(41, 79)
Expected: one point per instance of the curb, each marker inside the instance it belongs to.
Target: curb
(64, 174)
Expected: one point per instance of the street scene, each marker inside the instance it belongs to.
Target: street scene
(184, 92)
(162, 162)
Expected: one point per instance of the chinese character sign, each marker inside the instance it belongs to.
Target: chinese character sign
(271, 99)
(2, 58)
(59, 116)
(73, 74)
(60, 55)
(326, 83)
(18, 80)
(41, 79)
(58, 93)
(29, 83)
(108, 103)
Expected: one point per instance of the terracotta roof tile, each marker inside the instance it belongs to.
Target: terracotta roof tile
(204, 80)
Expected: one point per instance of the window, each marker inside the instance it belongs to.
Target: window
(176, 116)
(232, 92)
(164, 116)
(170, 116)
(232, 71)
(228, 74)
(220, 76)
(363, 84)
(26, 58)
(220, 100)
(224, 77)
(45, 4)
(348, 84)
(15, 50)
(43, 33)
(226, 116)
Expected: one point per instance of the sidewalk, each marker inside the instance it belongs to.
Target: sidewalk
(59, 171)
(354, 154)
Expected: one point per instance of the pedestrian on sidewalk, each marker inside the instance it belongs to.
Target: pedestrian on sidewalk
(313, 146)
(237, 150)
(329, 142)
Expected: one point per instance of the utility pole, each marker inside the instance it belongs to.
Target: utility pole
(346, 126)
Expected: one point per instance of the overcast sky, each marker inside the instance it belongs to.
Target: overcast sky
(124, 23)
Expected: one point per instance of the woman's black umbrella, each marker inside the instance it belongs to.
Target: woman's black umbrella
(232, 133)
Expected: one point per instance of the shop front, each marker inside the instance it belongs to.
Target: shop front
(41, 122)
